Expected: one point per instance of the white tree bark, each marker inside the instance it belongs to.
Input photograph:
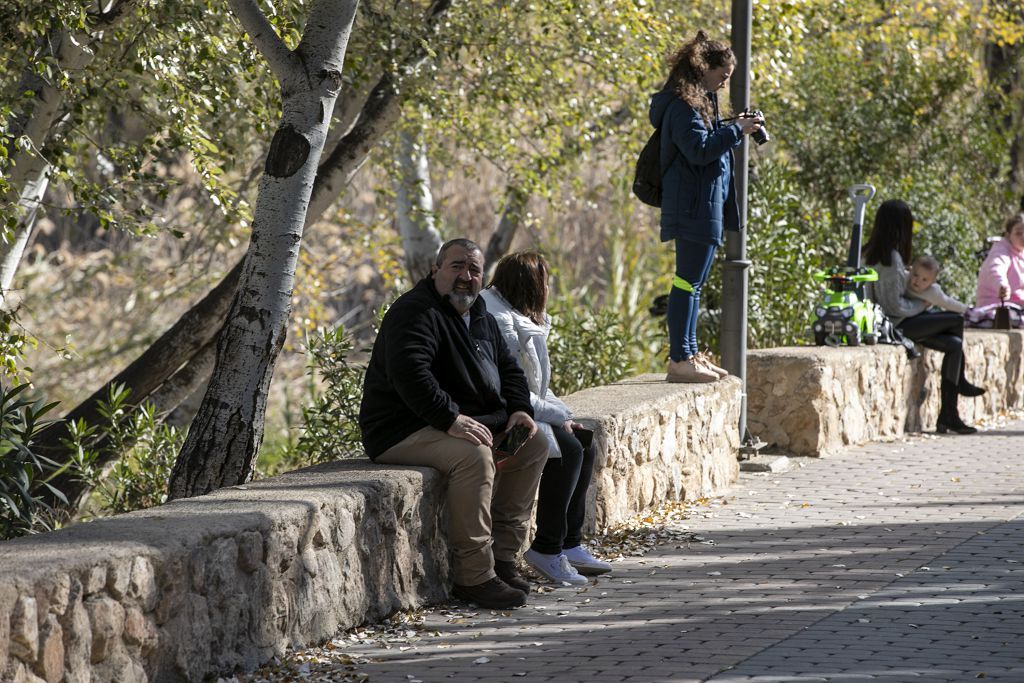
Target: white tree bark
(380, 110)
(414, 207)
(222, 444)
(183, 345)
(29, 176)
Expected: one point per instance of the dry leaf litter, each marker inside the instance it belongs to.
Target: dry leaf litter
(335, 661)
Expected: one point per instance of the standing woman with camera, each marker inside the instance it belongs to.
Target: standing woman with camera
(887, 251)
(698, 193)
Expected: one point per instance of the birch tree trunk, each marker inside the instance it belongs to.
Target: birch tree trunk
(29, 176)
(224, 438)
(184, 343)
(414, 207)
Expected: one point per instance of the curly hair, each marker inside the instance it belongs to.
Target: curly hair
(689, 64)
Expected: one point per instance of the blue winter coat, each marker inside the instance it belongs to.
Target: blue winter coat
(698, 196)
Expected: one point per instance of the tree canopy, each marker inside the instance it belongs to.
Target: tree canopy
(133, 134)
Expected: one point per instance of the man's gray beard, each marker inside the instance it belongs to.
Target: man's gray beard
(461, 302)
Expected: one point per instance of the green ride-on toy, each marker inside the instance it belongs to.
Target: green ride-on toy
(844, 315)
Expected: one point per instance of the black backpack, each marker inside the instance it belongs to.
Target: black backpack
(648, 176)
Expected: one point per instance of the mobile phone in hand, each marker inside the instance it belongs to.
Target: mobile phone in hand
(510, 443)
(583, 435)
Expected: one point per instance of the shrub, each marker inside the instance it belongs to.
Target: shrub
(24, 474)
(586, 349)
(147, 449)
(331, 421)
(330, 417)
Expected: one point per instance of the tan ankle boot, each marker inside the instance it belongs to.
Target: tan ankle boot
(689, 371)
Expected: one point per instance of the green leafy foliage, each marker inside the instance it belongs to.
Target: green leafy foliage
(888, 93)
(14, 342)
(24, 474)
(586, 349)
(146, 449)
(529, 87)
(146, 107)
(330, 412)
(331, 420)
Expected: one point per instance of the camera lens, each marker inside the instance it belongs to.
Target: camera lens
(761, 136)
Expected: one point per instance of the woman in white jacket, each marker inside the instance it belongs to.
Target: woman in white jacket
(517, 297)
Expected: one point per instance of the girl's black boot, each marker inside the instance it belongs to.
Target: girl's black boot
(949, 416)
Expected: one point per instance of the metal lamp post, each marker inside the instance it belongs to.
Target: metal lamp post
(733, 334)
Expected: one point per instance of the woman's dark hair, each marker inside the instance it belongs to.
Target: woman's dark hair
(689, 64)
(893, 231)
(522, 278)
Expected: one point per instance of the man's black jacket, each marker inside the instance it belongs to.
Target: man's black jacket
(427, 367)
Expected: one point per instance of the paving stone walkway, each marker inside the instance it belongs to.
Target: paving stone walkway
(891, 562)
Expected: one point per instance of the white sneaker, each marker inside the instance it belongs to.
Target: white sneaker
(554, 568)
(585, 563)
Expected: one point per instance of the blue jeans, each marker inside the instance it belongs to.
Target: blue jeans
(693, 263)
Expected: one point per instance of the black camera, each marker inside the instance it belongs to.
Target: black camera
(759, 136)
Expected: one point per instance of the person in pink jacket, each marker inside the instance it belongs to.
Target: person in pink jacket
(1001, 277)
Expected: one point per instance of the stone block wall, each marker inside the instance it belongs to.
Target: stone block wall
(658, 442)
(816, 400)
(224, 582)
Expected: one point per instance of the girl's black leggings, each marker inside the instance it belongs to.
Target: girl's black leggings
(941, 331)
(562, 500)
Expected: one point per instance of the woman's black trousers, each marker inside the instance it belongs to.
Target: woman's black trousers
(941, 331)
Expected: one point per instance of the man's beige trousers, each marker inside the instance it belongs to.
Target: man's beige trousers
(484, 504)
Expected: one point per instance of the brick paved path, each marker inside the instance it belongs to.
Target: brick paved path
(892, 562)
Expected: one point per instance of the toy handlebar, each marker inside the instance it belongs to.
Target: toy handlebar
(859, 275)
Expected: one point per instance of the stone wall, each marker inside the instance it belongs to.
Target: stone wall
(224, 582)
(818, 400)
(658, 442)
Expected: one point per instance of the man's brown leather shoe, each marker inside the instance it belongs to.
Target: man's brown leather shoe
(508, 573)
(492, 594)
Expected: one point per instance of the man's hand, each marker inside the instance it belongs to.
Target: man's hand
(521, 418)
(472, 431)
(569, 424)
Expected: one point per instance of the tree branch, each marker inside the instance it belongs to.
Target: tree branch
(380, 111)
(282, 61)
(508, 224)
(105, 18)
(178, 345)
